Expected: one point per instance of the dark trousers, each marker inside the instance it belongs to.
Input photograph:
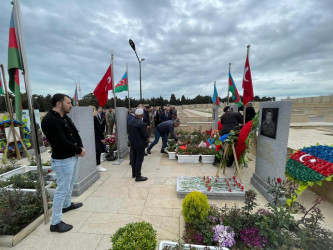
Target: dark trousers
(98, 159)
(136, 158)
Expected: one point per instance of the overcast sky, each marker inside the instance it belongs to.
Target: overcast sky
(187, 45)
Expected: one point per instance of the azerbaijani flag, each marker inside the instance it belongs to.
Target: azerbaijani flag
(233, 90)
(215, 98)
(14, 64)
(76, 98)
(1, 88)
(122, 85)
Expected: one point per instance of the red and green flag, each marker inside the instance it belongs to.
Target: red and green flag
(122, 85)
(14, 64)
(1, 88)
(233, 90)
(75, 98)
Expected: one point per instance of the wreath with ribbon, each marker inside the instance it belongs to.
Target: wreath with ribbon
(24, 131)
(310, 165)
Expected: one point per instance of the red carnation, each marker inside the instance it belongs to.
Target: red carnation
(279, 180)
(49, 170)
(218, 147)
(229, 189)
(209, 188)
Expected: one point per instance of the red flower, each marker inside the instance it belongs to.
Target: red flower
(209, 188)
(229, 189)
(215, 180)
(49, 170)
(218, 147)
(204, 178)
(243, 134)
(279, 180)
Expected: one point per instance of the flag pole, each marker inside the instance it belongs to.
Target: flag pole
(228, 83)
(129, 100)
(118, 161)
(244, 106)
(18, 22)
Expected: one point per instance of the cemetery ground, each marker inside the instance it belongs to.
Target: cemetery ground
(115, 199)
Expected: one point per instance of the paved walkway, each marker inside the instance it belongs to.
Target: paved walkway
(116, 199)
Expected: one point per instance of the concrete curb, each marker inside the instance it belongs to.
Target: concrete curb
(12, 240)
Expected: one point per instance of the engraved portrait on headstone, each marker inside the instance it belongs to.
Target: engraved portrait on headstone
(269, 122)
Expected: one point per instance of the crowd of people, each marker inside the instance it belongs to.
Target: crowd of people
(67, 146)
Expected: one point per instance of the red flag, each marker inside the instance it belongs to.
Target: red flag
(247, 83)
(102, 88)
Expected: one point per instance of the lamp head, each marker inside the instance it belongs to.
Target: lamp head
(132, 44)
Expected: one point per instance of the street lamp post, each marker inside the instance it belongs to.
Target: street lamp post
(140, 61)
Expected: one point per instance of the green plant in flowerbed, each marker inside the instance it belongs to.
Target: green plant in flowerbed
(32, 162)
(134, 236)
(207, 151)
(18, 209)
(8, 166)
(189, 150)
(270, 228)
(172, 145)
(27, 180)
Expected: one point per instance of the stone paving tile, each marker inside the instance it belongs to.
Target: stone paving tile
(105, 242)
(163, 201)
(138, 193)
(166, 227)
(107, 223)
(167, 212)
(56, 241)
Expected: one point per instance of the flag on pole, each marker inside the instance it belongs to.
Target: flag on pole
(122, 85)
(215, 98)
(75, 98)
(1, 88)
(232, 88)
(247, 83)
(14, 64)
(102, 88)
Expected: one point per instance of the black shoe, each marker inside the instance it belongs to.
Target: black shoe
(71, 207)
(148, 151)
(163, 152)
(215, 163)
(141, 178)
(146, 154)
(61, 227)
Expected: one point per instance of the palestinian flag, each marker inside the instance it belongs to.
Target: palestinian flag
(14, 64)
(122, 85)
(233, 90)
(311, 164)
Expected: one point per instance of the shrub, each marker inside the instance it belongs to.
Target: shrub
(134, 236)
(17, 210)
(195, 207)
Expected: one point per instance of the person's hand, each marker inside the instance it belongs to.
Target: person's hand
(148, 127)
(83, 153)
(103, 141)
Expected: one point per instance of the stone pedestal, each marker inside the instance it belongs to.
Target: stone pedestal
(272, 145)
(234, 107)
(83, 119)
(215, 117)
(122, 144)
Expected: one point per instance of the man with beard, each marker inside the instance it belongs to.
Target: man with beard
(67, 146)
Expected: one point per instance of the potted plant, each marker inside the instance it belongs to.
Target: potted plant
(188, 154)
(207, 155)
(171, 149)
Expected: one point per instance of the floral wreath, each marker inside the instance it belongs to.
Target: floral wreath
(24, 130)
(310, 165)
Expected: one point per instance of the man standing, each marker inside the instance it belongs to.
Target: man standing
(101, 118)
(250, 112)
(162, 130)
(110, 120)
(165, 115)
(138, 136)
(67, 146)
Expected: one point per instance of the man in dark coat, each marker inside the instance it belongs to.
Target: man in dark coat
(138, 136)
(162, 130)
(165, 115)
(250, 112)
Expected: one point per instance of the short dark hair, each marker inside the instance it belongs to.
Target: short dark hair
(58, 98)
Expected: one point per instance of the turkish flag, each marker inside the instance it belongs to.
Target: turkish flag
(102, 88)
(247, 83)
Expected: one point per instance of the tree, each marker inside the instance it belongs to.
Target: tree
(173, 99)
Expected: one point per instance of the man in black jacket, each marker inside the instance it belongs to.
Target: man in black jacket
(138, 136)
(162, 130)
(67, 146)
